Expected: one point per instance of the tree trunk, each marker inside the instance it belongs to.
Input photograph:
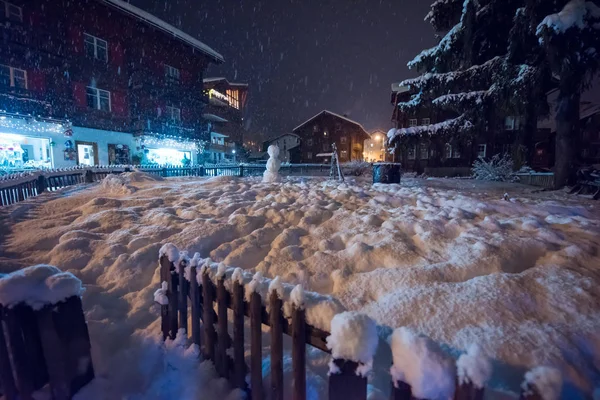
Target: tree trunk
(567, 130)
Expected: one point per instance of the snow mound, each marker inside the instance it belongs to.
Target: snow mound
(546, 381)
(122, 184)
(353, 337)
(38, 286)
(474, 367)
(421, 363)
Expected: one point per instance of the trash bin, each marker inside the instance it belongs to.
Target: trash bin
(387, 172)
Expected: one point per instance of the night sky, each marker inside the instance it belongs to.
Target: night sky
(302, 56)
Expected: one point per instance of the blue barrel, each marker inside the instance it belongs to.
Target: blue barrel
(387, 172)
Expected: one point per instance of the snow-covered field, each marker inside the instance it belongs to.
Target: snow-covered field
(448, 258)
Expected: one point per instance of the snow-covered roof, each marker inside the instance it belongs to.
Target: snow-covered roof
(213, 118)
(399, 88)
(158, 23)
(280, 136)
(211, 80)
(335, 115)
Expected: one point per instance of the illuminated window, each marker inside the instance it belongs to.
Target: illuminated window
(13, 77)
(481, 150)
(11, 11)
(98, 99)
(309, 156)
(448, 150)
(234, 100)
(172, 74)
(424, 153)
(344, 155)
(411, 152)
(95, 47)
(315, 128)
(174, 113)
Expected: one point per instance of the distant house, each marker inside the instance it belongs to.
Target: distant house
(375, 147)
(318, 133)
(289, 147)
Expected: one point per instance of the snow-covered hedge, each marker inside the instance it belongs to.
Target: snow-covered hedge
(498, 168)
(357, 168)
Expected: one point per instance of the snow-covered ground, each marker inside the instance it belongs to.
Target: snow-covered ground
(447, 258)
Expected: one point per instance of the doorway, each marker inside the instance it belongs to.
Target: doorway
(87, 153)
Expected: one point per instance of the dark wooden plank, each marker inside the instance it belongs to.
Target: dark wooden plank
(401, 391)
(6, 374)
(195, 300)
(165, 273)
(276, 321)
(183, 306)
(223, 339)
(72, 330)
(20, 362)
(173, 295)
(208, 315)
(33, 345)
(54, 354)
(467, 391)
(299, 353)
(256, 383)
(239, 364)
(347, 384)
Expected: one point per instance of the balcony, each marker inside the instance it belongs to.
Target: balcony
(164, 127)
(23, 101)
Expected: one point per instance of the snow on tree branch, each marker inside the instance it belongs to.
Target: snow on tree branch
(574, 14)
(459, 124)
(462, 99)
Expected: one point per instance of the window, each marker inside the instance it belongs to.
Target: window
(424, 151)
(426, 121)
(13, 77)
(174, 113)
(448, 150)
(234, 100)
(338, 126)
(172, 74)
(95, 47)
(98, 99)
(309, 142)
(11, 11)
(315, 128)
(511, 123)
(309, 156)
(456, 152)
(343, 140)
(344, 155)
(326, 147)
(411, 152)
(481, 150)
(412, 122)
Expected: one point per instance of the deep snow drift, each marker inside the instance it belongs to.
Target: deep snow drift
(517, 278)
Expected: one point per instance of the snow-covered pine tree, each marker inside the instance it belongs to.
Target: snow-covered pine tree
(570, 36)
(457, 74)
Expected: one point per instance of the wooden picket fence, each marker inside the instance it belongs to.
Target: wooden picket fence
(202, 298)
(47, 346)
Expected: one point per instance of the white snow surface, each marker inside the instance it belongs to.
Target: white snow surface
(353, 337)
(546, 381)
(421, 363)
(474, 367)
(446, 258)
(573, 14)
(38, 286)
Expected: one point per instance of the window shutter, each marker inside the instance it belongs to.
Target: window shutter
(79, 94)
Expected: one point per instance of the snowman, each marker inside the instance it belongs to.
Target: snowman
(273, 165)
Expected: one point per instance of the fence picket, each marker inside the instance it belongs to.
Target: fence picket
(165, 272)
(183, 306)
(256, 346)
(223, 339)
(208, 317)
(173, 304)
(347, 384)
(275, 319)
(54, 353)
(6, 374)
(299, 353)
(239, 364)
(195, 299)
(21, 364)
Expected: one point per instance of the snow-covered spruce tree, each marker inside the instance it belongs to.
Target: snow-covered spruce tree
(570, 36)
(458, 74)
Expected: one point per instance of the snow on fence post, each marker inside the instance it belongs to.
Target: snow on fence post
(207, 315)
(195, 299)
(183, 306)
(6, 375)
(421, 369)
(298, 344)
(239, 364)
(276, 322)
(223, 339)
(474, 370)
(256, 383)
(542, 383)
(353, 342)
